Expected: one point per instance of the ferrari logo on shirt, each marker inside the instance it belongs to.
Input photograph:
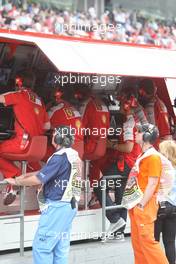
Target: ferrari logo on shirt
(103, 118)
(69, 113)
(78, 123)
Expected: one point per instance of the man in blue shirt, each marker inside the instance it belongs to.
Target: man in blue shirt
(60, 179)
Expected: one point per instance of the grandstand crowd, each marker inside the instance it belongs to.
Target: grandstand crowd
(119, 25)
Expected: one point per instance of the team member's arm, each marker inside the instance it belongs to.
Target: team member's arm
(125, 147)
(2, 99)
(128, 137)
(163, 121)
(149, 191)
(154, 172)
(28, 179)
(49, 171)
(140, 114)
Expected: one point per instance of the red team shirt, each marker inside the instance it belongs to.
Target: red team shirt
(29, 111)
(156, 113)
(95, 117)
(128, 134)
(65, 114)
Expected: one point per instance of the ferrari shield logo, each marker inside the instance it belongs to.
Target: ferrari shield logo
(69, 113)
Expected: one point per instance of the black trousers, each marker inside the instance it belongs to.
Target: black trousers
(119, 186)
(166, 224)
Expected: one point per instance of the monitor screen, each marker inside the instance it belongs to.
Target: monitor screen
(4, 75)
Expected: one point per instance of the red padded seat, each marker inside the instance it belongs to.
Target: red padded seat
(36, 151)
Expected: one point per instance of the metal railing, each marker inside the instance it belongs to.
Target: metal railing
(21, 211)
(87, 183)
(104, 207)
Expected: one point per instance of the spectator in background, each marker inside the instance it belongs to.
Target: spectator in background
(129, 26)
(166, 219)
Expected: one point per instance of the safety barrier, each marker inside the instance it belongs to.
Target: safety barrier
(86, 185)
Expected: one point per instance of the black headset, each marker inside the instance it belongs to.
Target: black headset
(150, 133)
(64, 136)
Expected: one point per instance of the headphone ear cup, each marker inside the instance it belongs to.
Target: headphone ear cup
(63, 136)
(58, 139)
(66, 141)
(147, 136)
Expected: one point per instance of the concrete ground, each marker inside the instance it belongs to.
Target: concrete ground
(95, 252)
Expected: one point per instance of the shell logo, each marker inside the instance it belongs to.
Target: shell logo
(36, 110)
(78, 123)
(103, 118)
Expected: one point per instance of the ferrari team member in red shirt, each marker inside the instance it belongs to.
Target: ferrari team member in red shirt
(31, 119)
(155, 110)
(120, 158)
(96, 121)
(64, 113)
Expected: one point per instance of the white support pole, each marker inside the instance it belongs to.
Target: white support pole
(102, 7)
(85, 6)
(96, 7)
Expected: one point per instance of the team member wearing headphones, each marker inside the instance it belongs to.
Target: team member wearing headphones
(143, 215)
(31, 119)
(60, 179)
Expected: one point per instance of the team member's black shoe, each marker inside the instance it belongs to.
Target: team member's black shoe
(10, 195)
